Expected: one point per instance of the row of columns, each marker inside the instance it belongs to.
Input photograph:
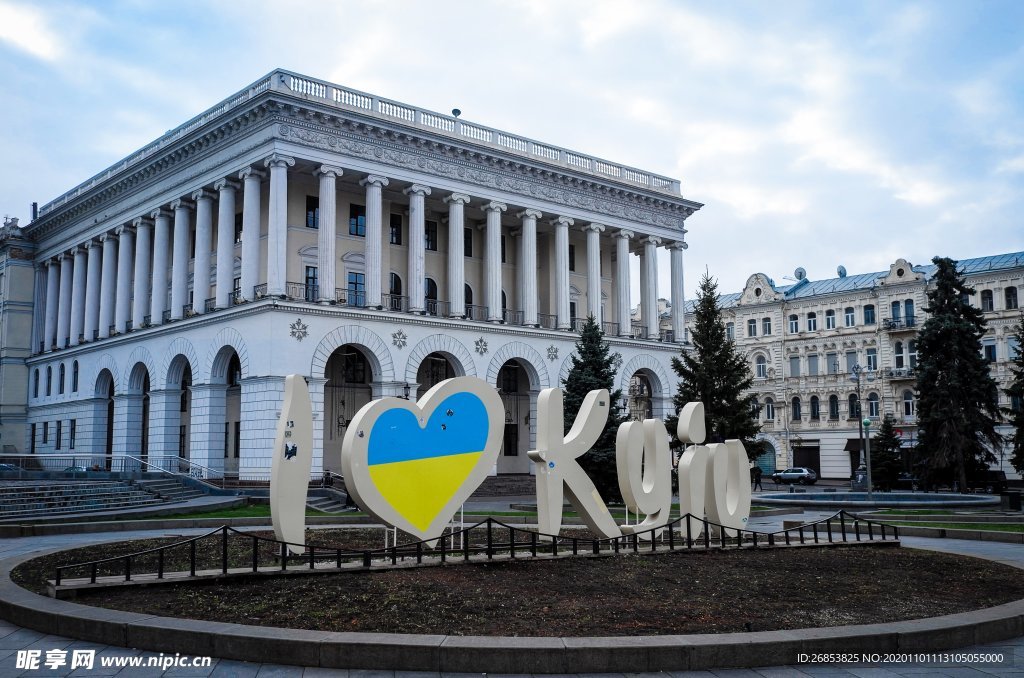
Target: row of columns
(89, 290)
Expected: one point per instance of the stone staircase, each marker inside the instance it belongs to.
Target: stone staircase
(511, 485)
(34, 499)
(329, 504)
(170, 488)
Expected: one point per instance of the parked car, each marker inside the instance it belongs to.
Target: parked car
(992, 482)
(797, 474)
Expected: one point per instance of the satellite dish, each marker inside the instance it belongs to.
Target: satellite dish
(456, 112)
(841, 271)
(800, 273)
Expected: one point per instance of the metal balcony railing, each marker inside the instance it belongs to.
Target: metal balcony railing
(905, 322)
(210, 305)
(547, 321)
(435, 307)
(637, 331)
(352, 298)
(609, 328)
(301, 291)
(476, 312)
(259, 291)
(395, 302)
(667, 336)
(512, 317)
(576, 324)
(166, 317)
(146, 320)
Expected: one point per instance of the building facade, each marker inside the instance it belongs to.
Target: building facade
(16, 277)
(300, 227)
(807, 341)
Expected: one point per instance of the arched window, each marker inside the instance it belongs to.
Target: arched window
(873, 405)
(909, 404)
(850, 318)
(815, 408)
(504, 301)
(430, 294)
(794, 324)
(730, 331)
(796, 409)
(468, 295)
(49, 380)
(74, 377)
(830, 319)
(812, 321)
(395, 286)
(853, 407)
(898, 353)
(987, 301)
(833, 407)
(35, 383)
(60, 379)
(769, 409)
(755, 407)
(761, 365)
(869, 314)
(1010, 294)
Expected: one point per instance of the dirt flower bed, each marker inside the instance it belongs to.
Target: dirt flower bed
(685, 592)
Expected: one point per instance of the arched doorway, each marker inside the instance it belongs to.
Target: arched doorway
(514, 388)
(105, 394)
(766, 460)
(347, 389)
(138, 411)
(179, 378)
(639, 400)
(233, 415)
(434, 369)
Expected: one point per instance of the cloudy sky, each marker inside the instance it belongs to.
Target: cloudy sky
(816, 133)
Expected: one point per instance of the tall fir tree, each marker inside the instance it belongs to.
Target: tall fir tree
(715, 373)
(592, 368)
(958, 400)
(885, 455)
(1015, 412)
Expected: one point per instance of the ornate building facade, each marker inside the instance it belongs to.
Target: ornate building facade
(374, 247)
(807, 341)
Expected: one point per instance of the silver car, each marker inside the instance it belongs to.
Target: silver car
(797, 474)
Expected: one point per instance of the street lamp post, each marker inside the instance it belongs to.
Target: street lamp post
(858, 377)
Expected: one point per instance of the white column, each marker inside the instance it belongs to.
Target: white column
(372, 244)
(92, 290)
(528, 264)
(125, 260)
(225, 241)
(52, 295)
(650, 275)
(327, 238)
(161, 247)
(492, 266)
(277, 224)
(143, 261)
(457, 253)
(250, 231)
(78, 294)
(562, 225)
(622, 300)
(39, 305)
(108, 283)
(678, 290)
(204, 250)
(179, 258)
(64, 300)
(417, 253)
(594, 271)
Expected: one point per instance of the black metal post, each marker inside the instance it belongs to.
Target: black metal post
(224, 550)
(255, 554)
(192, 557)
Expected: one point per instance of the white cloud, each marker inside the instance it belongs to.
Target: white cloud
(28, 29)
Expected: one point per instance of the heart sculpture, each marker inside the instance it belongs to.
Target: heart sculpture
(412, 465)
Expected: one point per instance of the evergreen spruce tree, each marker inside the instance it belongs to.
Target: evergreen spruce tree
(1015, 413)
(592, 368)
(885, 455)
(715, 373)
(958, 400)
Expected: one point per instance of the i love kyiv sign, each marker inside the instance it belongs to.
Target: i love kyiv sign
(411, 465)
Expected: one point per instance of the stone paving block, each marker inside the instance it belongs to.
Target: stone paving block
(368, 673)
(279, 671)
(319, 672)
(19, 639)
(228, 668)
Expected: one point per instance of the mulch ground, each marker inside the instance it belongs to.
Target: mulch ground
(683, 592)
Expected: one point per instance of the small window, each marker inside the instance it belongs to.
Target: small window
(35, 383)
(396, 229)
(873, 405)
(912, 354)
(908, 312)
(833, 407)
(71, 433)
(896, 310)
(430, 236)
(909, 405)
(794, 324)
(755, 407)
(357, 220)
(46, 432)
(812, 365)
(815, 408)
(467, 241)
(830, 320)
(897, 352)
(849, 317)
(794, 366)
(851, 360)
(987, 302)
(869, 314)
(238, 227)
(853, 407)
(57, 435)
(1010, 294)
(989, 350)
(769, 409)
(766, 326)
(965, 298)
(572, 257)
(812, 322)
(752, 328)
(60, 379)
(832, 363)
(761, 365)
(356, 289)
(872, 358)
(49, 381)
(796, 409)
(312, 211)
(730, 331)
(312, 283)
(74, 377)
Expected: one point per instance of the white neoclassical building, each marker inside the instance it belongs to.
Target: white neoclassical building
(372, 246)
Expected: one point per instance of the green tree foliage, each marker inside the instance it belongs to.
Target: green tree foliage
(885, 455)
(593, 368)
(1015, 413)
(958, 400)
(714, 373)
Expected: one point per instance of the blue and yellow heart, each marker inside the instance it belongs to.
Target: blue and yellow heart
(419, 469)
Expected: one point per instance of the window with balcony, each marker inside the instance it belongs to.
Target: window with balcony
(766, 326)
(796, 409)
(761, 367)
(830, 319)
(812, 322)
(897, 352)
(312, 211)
(356, 288)
(395, 226)
(752, 328)
(769, 409)
(430, 289)
(395, 284)
(730, 331)
(896, 311)
(911, 354)
(833, 407)
(1010, 298)
(468, 295)
(794, 324)
(815, 408)
(312, 286)
(238, 228)
(357, 220)
(794, 366)
(908, 312)
(874, 405)
(467, 241)
(849, 317)
(987, 301)
(430, 236)
(869, 314)
(872, 355)
(909, 404)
